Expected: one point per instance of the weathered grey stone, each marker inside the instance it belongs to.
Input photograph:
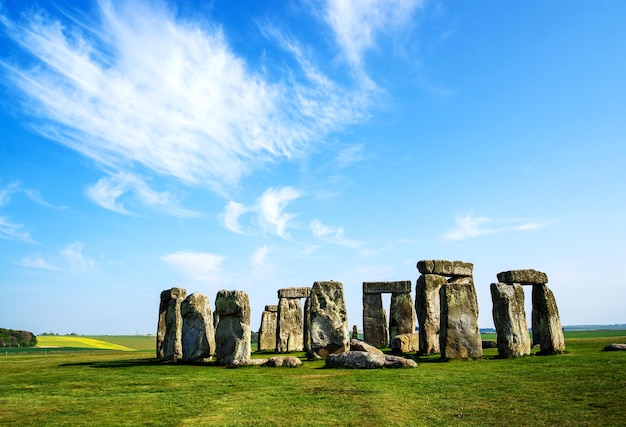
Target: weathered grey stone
(283, 362)
(198, 335)
(357, 345)
(405, 343)
(363, 360)
(329, 319)
(427, 308)
(375, 330)
(294, 293)
(403, 286)
(289, 334)
(401, 315)
(445, 268)
(271, 308)
(489, 344)
(232, 336)
(523, 277)
(267, 331)
(170, 326)
(247, 362)
(307, 325)
(615, 347)
(459, 337)
(547, 321)
(509, 318)
(355, 333)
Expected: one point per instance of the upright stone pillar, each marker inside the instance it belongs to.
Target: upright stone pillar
(547, 321)
(509, 318)
(267, 331)
(170, 325)
(307, 325)
(198, 336)
(329, 319)
(232, 337)
(375, 330)
(289, 334)
(401, 314)
(427, 307)
(459, 337)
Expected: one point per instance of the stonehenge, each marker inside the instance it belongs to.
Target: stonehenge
(267, 331)
(401, 314)
(509, 318)
(290, 326)
(232, 335)
(198, 334)
(170, 327)
(329, 319)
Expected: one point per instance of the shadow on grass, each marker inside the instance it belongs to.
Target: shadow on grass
(131, 363)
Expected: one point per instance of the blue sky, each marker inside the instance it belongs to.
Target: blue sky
(262, 145)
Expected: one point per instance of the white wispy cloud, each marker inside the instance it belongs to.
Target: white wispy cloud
(468, 226)
(332, 234)
(197, 267)
(71, 259)
(36, 197)
(349, 155)
(38, 262)
(142, 88)
(7, 191)
(13, 231)
(232, 212)
(259, 257)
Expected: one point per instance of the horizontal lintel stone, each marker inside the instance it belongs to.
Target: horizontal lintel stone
(401, 287)
(523, 277)
(445, 268)
(271, 308)
(294, 293)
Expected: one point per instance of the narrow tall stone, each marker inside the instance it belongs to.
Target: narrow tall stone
(547, 321)
(232, 335)
(170, 325)
(289, 334)
(401, 315)
(267, 331)
(307, 324)
(459, 336)
(355, 332)
(509, 318)
(375, 330)
(329, 319)
(198, 336)
(427, 308)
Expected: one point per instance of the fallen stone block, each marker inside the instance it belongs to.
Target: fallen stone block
(362, 360)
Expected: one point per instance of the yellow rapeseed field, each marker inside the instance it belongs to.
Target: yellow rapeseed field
(78, 342)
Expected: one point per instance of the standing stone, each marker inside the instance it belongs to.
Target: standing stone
(509, 318)
(459, 336)
(329, 319)
(232, 337)
(427, 308)
(170, 326)
(355, 333)
(307, 324)
(375, 330)
(546, 320)
(198, 332)
(289, 335)
(267, 331)
(401, 315)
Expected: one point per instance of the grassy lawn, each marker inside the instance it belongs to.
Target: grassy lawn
(586, 386)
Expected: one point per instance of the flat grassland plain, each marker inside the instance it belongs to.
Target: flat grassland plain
(81, 386)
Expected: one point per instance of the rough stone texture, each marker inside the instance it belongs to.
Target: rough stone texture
(489, 344)
(294, 293)
(509, 318)
(547, 321)
(307, 325)
(427, 308)
(405, 343)
(615, 347)
(329, 319)
(289, 334)
(387, 287)
(267, 331)
(375, 330)
(357, 345)
(283, 362)
(445, 268)
(401, 314)
(170, 326)
(232, 336)
(362, 360)
(271, 308)
(523, 277)
(355, 332)
(459, 337)
(198, 335)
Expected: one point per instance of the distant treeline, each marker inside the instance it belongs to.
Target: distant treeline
(11, 338)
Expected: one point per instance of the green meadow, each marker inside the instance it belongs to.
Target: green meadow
(89, 387)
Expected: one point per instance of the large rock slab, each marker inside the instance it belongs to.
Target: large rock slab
(294, 293)
(363, 360)
(198, 335)
(459, 337)
(375, 330)
(445, 268)
(267, 331)
(357, 345)
(615, 347)
(546, 321)
(329, 319)
(169, 344)
(523, 277)
(232, 335)
(403, 286)
(509, 318)
(405, 343)
(427, 308)
(283, 362)
(289, 330)
(401, 314)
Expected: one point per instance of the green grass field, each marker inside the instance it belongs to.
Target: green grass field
(586, 386)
